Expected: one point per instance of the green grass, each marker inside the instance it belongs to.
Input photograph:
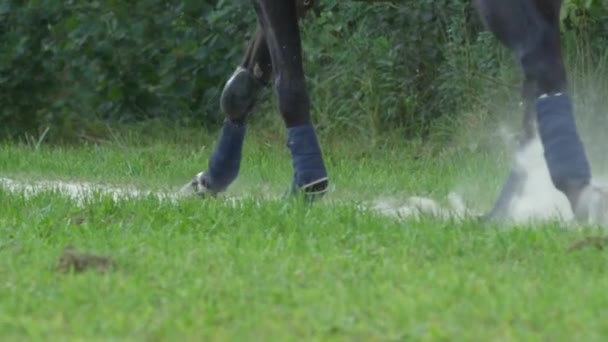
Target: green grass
(270, 270)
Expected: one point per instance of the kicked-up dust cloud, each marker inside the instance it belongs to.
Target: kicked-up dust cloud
(538, 199)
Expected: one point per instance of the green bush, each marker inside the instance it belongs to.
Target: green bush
(65, 64)
(385, 66)
(69, 65)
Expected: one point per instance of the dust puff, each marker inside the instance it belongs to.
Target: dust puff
(417, 207)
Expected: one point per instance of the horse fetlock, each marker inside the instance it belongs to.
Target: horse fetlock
(240, 95)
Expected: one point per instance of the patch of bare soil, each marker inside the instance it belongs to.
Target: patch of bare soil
(598, 242)
(72, 261)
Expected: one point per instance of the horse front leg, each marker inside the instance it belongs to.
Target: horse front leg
(531, 30)
(279, 21)
(237, 102)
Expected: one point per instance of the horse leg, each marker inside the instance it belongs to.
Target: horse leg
(237, 101)
(517, 176)
(531, 30)
(280, 24)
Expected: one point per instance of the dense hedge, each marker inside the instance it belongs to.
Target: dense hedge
(63, 63)
(67, 64)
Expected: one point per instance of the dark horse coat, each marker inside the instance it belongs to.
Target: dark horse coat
(529, 28)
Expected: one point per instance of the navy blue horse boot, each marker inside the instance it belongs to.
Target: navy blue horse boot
(310, 176)
(224, 163)
(564, 151)
(237, 101)
(567, 161)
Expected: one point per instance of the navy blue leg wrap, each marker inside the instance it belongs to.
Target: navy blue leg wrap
(564, 150)
(306, 156)
(225, 161)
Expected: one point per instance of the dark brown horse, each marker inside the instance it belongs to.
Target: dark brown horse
(529, 28)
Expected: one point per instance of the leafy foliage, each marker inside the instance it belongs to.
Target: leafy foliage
(576, 12)
(66, 62)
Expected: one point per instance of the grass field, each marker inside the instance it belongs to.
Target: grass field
(263, 269)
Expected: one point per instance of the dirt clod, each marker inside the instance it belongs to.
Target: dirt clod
(598, 242)
(77, 262)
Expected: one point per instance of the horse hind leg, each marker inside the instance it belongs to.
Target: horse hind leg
(531, 30)
(238, 99)
(280, 24)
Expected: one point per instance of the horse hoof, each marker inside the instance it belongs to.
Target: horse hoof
(490, 218)
(592, 206)
(310, 192)
(199, 186)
